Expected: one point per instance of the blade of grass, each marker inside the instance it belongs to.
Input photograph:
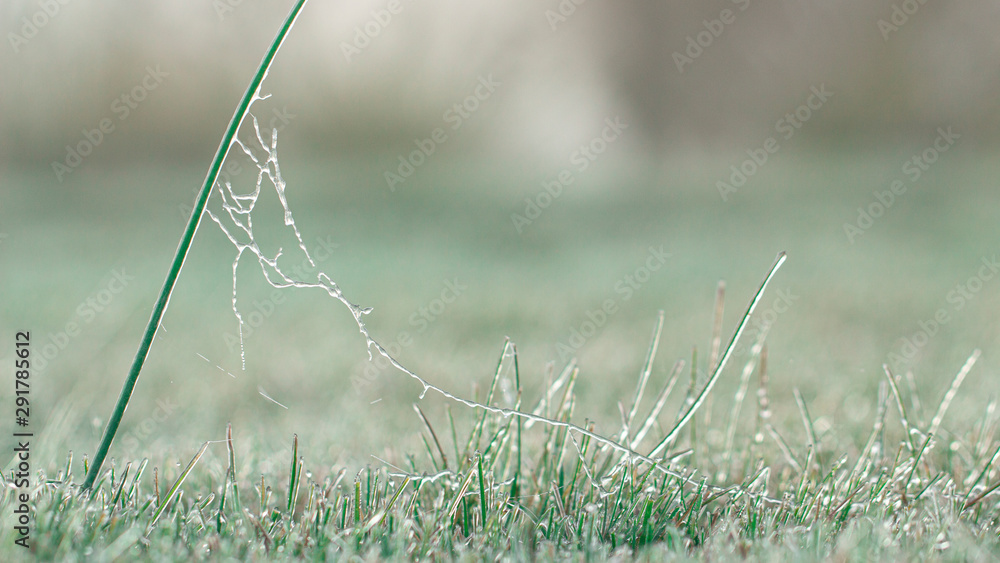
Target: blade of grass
(647, 369)
(720, 307)
(293, 477)
(454, 432)
(983, 473)
(672, 435)
(899, 407)
(461, 495)
(482, 490)
(357, 498)
(807, 421)
(948, 396)
(916, 463)
(689, 403)
(784, 447)
(713, 358)
(741, 392)
(173, 490)
(136, 479)
(249, 96)
(763, 400)
(437, 443)
(263, 497)
(156, 485)
(478, 432)
(121, 485)
(876, 430)
(981, 496)
(987, 429)
(542, 408)
(517, 406)
(661, 400)
(380, 515)
(911, 384)
(232, 467)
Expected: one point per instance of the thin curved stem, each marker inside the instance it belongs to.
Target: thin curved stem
(251, 94)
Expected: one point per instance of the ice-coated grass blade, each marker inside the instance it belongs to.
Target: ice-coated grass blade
(700, 399)
(952, 391)
(293, 476)
(173, 490)
(249, 96)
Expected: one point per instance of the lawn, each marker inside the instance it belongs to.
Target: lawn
(450, 278)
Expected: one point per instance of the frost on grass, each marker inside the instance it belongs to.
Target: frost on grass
(236, 222)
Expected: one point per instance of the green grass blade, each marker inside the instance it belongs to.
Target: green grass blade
(249, 96)
(380, 515)
(482, 491)
(293, 476)
(177, 485)
(231, 473)
(916, 463)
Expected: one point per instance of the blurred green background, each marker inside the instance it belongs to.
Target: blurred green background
(697, 86)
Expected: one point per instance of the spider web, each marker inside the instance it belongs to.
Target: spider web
(239, 229)
(239, 207)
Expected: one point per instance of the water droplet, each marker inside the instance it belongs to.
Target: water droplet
(424, 392)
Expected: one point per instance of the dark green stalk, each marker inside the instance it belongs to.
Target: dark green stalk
(182, 249)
